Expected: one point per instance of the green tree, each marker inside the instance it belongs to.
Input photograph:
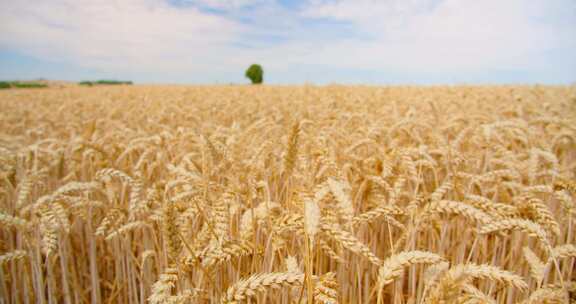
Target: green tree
(255, 74)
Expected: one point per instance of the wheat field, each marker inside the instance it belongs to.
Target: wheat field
(297, 194)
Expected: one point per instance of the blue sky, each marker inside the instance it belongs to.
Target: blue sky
(315, 41)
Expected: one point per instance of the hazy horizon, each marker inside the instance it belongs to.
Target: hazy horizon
(307, 41)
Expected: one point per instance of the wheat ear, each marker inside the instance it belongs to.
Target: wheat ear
(248, 287)
(13, 221)
(537, 267)
(487, 272)
(375, 213)
(549, 295)
(15, 255)
(393, 266)
(473, 293)
(311, 227)
(292, 150)
(526, 226)
(350, 242)
(448, 288)
(326, 290)
(171, 232)
(163, 289)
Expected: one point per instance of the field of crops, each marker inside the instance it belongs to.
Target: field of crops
(264, 194)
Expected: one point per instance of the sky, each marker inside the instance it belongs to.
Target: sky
(302, 41)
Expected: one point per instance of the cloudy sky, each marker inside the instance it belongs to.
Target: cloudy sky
(317, 41)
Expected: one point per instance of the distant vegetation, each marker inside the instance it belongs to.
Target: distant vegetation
(104, 82)
(255, 74)
(21, 84)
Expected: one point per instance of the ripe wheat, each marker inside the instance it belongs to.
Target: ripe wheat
(271, 194)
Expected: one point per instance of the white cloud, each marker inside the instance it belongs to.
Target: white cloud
(227, 4)
(371, 14)
(413, 36)
(450, 34)
(114, 35)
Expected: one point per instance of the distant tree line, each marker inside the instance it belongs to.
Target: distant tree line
(21, 84)
(104, 82)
